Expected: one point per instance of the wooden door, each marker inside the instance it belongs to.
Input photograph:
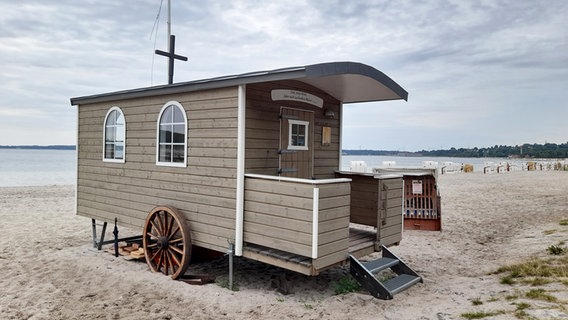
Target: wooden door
(296, 143)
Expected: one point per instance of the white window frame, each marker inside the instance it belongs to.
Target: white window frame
(168, 163)
(105, 159)
(306, 138)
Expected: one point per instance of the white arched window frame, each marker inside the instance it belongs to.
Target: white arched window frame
(114, 136)
(171, 136)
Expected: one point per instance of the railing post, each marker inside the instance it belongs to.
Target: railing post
(315, 223)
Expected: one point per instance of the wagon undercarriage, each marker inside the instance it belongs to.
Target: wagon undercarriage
(362, 242)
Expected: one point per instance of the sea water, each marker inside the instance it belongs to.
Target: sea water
(40, 167)
(37, 167)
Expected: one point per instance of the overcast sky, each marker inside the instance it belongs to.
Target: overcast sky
(478, 73)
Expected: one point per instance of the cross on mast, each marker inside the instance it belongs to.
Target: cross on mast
(171, 55)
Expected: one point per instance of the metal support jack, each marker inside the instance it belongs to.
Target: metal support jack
(231, 253)
(99, 243)
(115, 233)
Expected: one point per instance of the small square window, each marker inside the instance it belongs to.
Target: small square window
(298, 135)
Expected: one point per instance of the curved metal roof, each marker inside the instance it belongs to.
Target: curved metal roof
(346, 81)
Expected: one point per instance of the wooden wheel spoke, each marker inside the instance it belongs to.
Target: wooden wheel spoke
(154, 254)
(151, 235)
(173, 233)
(176, 249)
(175, 241)
(169, 259)
(169, 225)
(167, 241)
(160, 224)
(164, 262)
(160, 255)
(154, 227)
(174, 256)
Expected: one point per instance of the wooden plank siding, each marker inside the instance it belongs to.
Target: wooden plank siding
(376, 200)
(204, 191)
(390, 229)
(277, 214)
(263, 129)
(280, 215)
(364, 200)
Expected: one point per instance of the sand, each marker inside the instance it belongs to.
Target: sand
(50, 270)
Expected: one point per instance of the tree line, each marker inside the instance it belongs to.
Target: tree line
(547, 150)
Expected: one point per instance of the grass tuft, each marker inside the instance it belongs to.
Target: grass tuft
(508, 279)
(537, 281)
(308, 306)
(345, 285)
(223, 282)
(540, 294)
(522, 314)
(522, 305)
(481, 314)
(537, 267)
(556, 250)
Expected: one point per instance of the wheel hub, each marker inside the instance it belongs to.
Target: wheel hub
(162, 242)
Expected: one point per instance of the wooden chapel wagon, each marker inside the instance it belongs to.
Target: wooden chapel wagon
(251, 159)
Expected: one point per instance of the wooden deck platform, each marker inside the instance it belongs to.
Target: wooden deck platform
(361, 243)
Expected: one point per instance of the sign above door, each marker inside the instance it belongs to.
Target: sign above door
(295, 95)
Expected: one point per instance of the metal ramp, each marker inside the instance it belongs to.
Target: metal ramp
(364, 273)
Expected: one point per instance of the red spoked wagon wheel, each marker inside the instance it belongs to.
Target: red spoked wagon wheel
(166, 241)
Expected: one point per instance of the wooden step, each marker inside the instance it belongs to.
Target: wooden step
(380, 264)
(401, 283)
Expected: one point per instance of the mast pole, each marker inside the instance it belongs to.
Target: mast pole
(171, 55)
(169, 21)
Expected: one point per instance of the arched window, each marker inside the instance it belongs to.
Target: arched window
(114, 135)
(171, 145)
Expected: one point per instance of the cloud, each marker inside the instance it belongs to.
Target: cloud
(472, 68)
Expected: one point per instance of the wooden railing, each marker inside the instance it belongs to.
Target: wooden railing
(376, 200)
(300, 216)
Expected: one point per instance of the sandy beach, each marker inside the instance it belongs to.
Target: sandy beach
(51, 271)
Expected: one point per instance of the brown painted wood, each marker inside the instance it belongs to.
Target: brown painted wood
(296, 163)
(167, 241)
